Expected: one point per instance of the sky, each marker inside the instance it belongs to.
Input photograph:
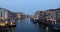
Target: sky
(29, 6)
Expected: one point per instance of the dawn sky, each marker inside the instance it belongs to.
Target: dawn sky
(29, 6)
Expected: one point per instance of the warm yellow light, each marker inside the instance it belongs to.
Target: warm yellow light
(2, 24)
(11, 23)
(6, 22)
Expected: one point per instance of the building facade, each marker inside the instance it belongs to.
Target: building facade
(18, 15)
(49, 15)
(5, 14)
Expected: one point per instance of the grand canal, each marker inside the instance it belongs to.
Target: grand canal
(25, 25)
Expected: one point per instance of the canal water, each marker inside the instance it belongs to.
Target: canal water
(26, 25)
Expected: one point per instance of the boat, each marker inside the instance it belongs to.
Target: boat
(12, 23)
(2, 24)
(55, 27)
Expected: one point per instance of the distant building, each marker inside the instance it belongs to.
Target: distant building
(39, 15)
(19, 15)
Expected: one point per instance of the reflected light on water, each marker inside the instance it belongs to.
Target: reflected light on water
(27, 25)
(46, 28)
(37, 23)
(6, 22)
(29, 20)
(11, 29)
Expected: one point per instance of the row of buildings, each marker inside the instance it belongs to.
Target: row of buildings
(51, 14)
(8, 15)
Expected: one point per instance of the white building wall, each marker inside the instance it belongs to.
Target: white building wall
(0, 12)
(3, 13)
(6, 14)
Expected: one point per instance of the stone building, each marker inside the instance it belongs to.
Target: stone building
(53, 15)
(58, 14)
(19, 15)
(5, 14)
(39, 15)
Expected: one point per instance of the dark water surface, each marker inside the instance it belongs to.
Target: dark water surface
(25, 25)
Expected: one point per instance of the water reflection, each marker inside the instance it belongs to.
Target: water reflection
(10, 29)
(3, 30)
(43, 28)
(25, 25)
